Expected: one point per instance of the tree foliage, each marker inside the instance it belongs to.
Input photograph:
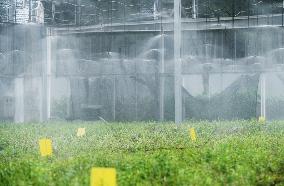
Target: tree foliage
(229, 8)
(3, 9)
(107, 11)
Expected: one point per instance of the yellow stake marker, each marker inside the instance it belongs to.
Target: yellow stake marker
(192, 134)
(103, 177)
(261, 120)
(81, 132)
(45, 147)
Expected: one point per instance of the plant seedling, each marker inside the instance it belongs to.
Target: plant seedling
(81, 132)
(192, 134)
(45, 147)
(103, 177)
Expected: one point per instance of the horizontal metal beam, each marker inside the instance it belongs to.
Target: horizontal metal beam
(168, 25)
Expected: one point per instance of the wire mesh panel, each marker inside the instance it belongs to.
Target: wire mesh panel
(227, 96)
(274, 96)
(223, 71)
(112, 76)
(21, 65)
(117, 60)
(7, 99)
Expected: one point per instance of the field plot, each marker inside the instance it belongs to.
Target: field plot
(224, 153)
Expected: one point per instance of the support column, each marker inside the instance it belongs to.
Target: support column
(19, 116)
(46, 80)
(194, 12)
(263, 95)
(30, 11)
(162, 78)
(114, 99)
(177, 61)
(78, 13)
(283, 14)
(48, 74)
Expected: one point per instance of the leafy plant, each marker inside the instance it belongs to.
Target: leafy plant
(231, 153)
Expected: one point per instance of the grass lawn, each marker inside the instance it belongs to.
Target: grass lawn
(225, 153)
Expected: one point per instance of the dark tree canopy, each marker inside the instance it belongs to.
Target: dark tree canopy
(3, 9)
(109, 11)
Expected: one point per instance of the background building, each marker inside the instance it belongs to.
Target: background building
(22, 11)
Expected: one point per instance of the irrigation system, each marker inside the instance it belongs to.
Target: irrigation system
(167, 66)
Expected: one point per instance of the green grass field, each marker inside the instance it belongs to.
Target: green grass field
(225, 153)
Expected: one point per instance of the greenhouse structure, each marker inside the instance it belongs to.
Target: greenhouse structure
(141, 92)
(140, 60)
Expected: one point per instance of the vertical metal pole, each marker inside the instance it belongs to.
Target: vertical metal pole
(47, 78)
(248, 13)
(162, 69)
(207, 11)
(52, 12)
(177, 61)
(257, 15)
(78, 12)
(42, 95)
(155, 8)
(263, 95)
(283, 14)
(136, 88)
(235, 45)
(15, 12)
(272, 16)
(30, 10)
(111, 15)
(124, 16)
(162, 78)
(233, 14)
(194, 9)
(45, 90)
(19, 89)
(114, 98)
(8, 15)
